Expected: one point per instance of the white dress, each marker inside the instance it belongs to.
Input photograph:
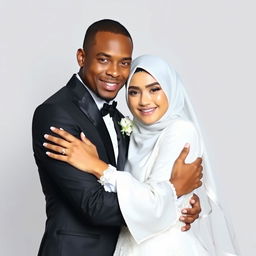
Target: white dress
(147, 200)
(172, 242)
(153, 234)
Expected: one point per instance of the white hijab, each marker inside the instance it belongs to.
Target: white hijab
(221, 239)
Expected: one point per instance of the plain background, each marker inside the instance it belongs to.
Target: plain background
(210, 43)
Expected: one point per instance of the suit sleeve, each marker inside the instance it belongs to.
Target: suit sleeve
(81, 190)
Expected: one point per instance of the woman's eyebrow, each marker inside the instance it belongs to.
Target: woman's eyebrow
(148, 85)
(133, 87)
(152, 84)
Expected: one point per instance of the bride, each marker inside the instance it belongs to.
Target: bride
(164, 121)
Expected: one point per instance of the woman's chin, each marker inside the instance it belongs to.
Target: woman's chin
(148, 121)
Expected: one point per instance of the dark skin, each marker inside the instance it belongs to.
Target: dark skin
(104, 67)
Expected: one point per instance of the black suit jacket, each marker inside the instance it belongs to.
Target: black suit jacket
(82, 219)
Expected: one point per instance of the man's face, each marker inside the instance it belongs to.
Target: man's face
(105, 65)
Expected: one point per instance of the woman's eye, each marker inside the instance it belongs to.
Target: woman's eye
(155, 89)
(132, 93)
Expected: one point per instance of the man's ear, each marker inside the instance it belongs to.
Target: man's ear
(80, 55)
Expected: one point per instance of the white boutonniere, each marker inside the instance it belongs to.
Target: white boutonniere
(126, 126)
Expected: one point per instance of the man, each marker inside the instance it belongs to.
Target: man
(83, 219)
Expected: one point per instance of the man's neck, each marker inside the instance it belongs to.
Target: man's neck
(98, 100)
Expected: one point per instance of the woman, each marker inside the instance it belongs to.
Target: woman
(163, 122)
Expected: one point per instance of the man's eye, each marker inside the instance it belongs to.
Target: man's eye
(103, 60)
(126, 63)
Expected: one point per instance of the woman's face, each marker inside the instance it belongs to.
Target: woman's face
(146, 99)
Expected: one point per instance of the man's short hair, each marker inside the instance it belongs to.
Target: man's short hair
(106, 25)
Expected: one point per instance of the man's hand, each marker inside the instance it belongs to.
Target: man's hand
(189, 215)
(186, 177)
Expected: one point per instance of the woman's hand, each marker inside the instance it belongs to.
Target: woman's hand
(81, 154)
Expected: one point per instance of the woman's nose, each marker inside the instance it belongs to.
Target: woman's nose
(144, 99)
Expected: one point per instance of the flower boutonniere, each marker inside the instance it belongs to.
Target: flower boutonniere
(126, 126)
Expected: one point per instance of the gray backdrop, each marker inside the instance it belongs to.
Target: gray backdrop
(210, 43)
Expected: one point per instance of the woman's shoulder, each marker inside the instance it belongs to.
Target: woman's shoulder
(180, 132)
(181, 126)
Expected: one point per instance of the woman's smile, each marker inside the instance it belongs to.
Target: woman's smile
(147, 111)
(146, 99)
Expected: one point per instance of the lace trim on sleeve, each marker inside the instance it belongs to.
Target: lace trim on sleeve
(108, 179)
(174, 191)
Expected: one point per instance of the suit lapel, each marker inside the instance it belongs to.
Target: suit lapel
(87, 105)
(123, 142)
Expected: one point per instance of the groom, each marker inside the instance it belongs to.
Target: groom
(83, 219)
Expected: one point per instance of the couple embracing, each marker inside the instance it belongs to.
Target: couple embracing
(113, 190)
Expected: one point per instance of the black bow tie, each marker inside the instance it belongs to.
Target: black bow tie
(108, 109)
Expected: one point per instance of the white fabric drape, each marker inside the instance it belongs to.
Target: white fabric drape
(146, 199)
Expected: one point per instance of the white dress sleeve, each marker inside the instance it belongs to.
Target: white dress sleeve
(108, 179)
(151, 207)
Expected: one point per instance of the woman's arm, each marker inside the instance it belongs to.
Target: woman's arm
(81, 154)
(154, 199)
(77, 153)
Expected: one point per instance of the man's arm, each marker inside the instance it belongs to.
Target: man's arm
(81, 190)
(189, 215)
(185, 178)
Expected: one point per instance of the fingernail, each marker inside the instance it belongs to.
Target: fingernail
(52, 128)
(183, 229)
(83, 134)
(192, 201)
(62, 129)
(47, 153)
(186, 145)
(184, 211)
(44, 144)
(46, 136)
(182, 218)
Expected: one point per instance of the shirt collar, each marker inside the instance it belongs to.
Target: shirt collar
(99, 101)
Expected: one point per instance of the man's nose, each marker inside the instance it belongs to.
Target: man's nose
(113, 70)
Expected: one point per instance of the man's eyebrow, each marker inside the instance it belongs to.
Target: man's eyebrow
(100, 54)
(127, 58)
(103, 54)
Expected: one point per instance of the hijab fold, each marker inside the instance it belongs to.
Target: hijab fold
(220, 239)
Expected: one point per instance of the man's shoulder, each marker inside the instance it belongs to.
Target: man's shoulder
(59, 100)
(59, 96)
(63, 96)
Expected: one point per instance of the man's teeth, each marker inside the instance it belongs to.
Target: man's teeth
(111, 84)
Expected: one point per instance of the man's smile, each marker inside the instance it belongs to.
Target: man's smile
(110, 85)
